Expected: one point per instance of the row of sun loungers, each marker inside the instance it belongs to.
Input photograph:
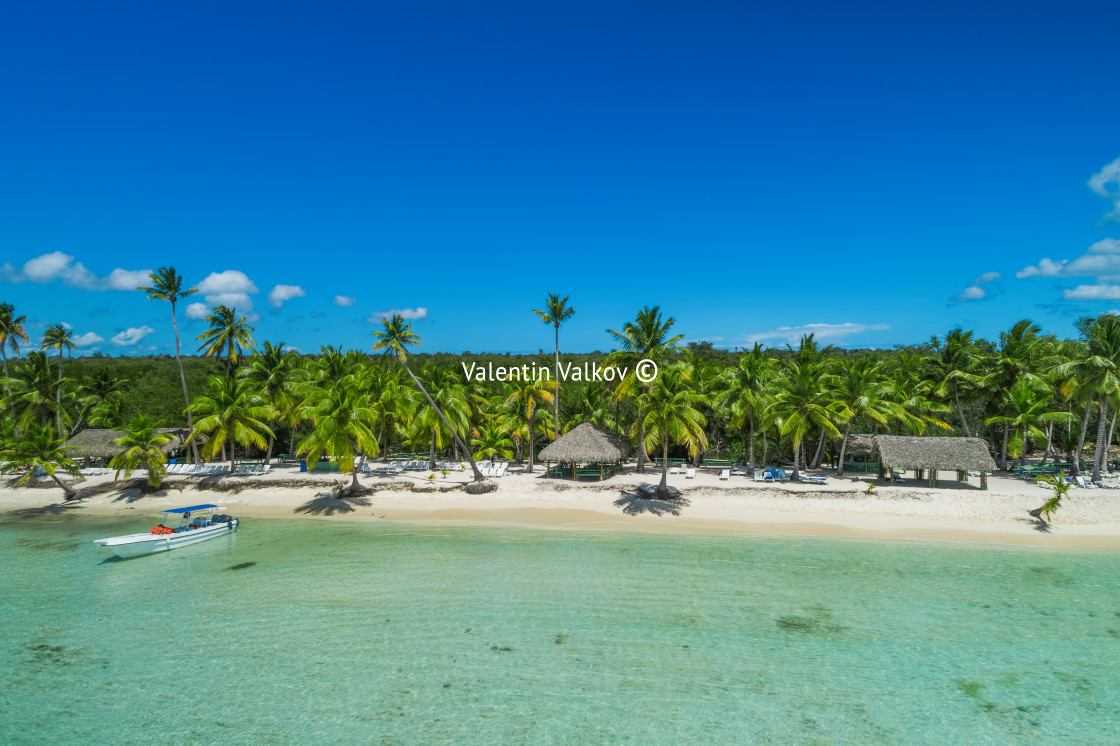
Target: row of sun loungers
(210, 470)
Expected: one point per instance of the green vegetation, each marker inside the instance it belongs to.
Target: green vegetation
(1025, 392)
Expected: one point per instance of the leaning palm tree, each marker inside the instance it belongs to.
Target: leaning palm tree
(556, 312)
(528, 396)
(167, 284)
(342, 426)
(394, 338)
(228, 335)
(142, 450)
(58, 336)
(37, 449)
(1061, 487)
(233, 413)
(647, 337)
(11, 334)
(672, 415)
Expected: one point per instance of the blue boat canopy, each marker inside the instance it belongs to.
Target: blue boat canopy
(188, 510)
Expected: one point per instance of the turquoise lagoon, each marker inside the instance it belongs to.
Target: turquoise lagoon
(315, 631)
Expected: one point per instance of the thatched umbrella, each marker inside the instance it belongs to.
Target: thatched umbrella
(585, 443)
(97, 443)
(961, 455)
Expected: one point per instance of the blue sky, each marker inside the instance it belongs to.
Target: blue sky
(758, 170)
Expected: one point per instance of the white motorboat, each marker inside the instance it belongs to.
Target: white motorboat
(196, 523)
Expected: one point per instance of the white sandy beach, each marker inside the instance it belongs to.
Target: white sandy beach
(1089, 518)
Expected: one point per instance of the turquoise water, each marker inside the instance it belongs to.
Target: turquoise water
(357, 632)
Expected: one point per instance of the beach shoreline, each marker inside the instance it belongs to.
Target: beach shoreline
(953, 512)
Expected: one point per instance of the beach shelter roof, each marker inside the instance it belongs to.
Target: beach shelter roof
(860, 445)
(942, 454)
(100, 443)
(585, 442)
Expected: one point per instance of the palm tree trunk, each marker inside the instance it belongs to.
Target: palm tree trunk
(1108, 442)
(532, 435)
(432, 452)
(183, 380)
(750, 448)
(765, 447)
(819, 454)
(1075, 470)
(232, 456)
(67, 490)
(556, 396)
(843, 449)
(1023, 455)
(665, 460)
(1101, 425)
(474, 467)
(8, 386)
(960, 410)
(1003, 449)
(58, 395)
(1049, 442)
(641, 443)
(268, 456)
(796, 450)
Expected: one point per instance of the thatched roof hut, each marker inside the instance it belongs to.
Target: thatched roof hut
(934, 454)
(96, 443)
(585, 443)
(860, 446)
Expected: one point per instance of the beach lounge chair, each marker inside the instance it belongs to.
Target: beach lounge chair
(690, 474)
(1080, 482)
(725, 474)
(676, 470)
(814, 480)
(1111, 485)
(761, 475)
(738, 472)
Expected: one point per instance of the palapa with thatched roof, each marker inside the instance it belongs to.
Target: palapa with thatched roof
(860, 446)
(97, 443)
(586, 444)
(961, 455)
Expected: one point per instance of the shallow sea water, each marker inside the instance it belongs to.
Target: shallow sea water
(309, 631)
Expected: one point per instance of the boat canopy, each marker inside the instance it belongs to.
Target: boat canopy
(188, 510)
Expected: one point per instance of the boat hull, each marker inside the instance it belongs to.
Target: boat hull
(136, 545)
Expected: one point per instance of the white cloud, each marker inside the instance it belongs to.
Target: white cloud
(970, 293)
(1106, 183)
(127, 279)
(66, 326)
(197, 311)
(822, 331)
(406, 313)
(131, 336)
(344, 300)
(1092, 292)
(88, 339)
(986, 278)
(229, 288)
(1045, 268)
(280, 294)
(59, 266)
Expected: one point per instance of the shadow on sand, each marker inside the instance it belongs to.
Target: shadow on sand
(644, 501)
(329, 504)
(56, 509)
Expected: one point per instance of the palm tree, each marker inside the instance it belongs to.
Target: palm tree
(556, 312)
(228, 335)
(1096, 374)
(955, 362)
(862, 390)
(142, 450)
(1029, 403)
(529, 395)
(671, 415)
(167, 284)
(11, 334)
(1061, 487)
(747, 393)
(233, 413)
(394, 338)
(491, 443)
(647, 337)
(592, 405)
(58, 336)
(101, 400)
(34, 398)
(803, 403)
(37, 449)
(275, 374)
(342, 422)
(426, 427)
